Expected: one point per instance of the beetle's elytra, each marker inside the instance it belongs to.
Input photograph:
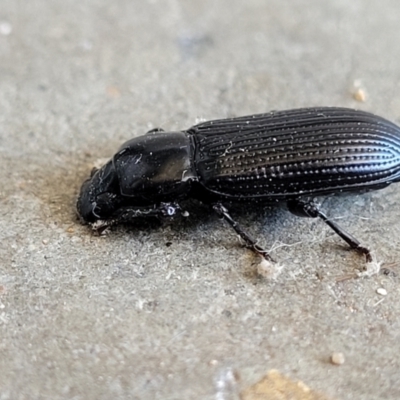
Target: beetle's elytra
(278, 157)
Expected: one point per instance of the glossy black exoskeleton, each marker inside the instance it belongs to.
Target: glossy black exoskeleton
(287, 156)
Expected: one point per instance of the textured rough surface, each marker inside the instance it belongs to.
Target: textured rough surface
(166, 311)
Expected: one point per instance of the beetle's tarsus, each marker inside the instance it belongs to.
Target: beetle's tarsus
(250, 242)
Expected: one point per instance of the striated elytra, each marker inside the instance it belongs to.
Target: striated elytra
(286, 157)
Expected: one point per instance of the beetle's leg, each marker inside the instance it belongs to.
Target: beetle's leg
(310, 209)
(250, 242)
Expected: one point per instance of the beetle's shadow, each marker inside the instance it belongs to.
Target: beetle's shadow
(198, 213)
(57, 189)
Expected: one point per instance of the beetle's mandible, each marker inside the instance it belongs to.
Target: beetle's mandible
(284, 157)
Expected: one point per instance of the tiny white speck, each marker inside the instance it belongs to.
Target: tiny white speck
(5, 28)
(86, 45)
(381, 291)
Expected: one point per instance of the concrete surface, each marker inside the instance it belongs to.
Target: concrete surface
(175, 311)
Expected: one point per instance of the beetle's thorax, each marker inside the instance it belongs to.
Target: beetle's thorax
(156, 166)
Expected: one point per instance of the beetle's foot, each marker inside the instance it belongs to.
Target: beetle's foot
(263, 253)
(371, 268)
(366, 252)
(269, 270)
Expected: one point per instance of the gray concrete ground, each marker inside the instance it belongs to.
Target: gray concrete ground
(166, 312)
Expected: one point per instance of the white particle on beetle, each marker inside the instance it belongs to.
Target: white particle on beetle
(171, 211)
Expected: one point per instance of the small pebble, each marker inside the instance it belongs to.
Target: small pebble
(359, 92)
(337, 358)
(381, 291)
(360, 95)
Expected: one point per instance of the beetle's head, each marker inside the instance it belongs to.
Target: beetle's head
(145, 172)
(98, 198)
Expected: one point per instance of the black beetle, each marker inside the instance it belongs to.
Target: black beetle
(279, 157)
